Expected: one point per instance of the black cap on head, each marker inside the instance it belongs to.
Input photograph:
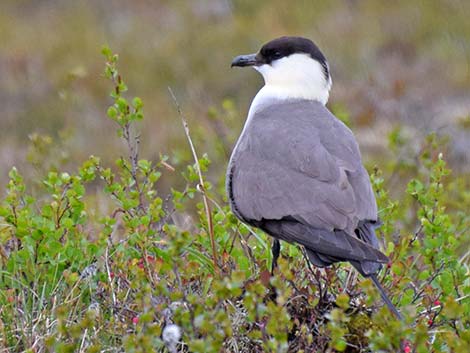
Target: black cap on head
(285, 46)
(282, 47)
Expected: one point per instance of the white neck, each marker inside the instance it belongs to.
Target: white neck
(297, 76)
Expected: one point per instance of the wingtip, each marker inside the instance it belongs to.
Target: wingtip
(382, 257)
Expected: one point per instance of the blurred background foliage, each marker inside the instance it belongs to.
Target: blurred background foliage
(400, 70)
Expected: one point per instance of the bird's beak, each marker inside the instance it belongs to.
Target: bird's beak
(245, 60)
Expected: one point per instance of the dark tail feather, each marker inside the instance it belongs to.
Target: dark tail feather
(385, 298)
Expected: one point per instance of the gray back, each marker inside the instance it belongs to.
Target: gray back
(295, 159)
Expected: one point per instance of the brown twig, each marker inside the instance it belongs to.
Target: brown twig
(133, 143)
(313, 272)
(201, 181)
(428, 282)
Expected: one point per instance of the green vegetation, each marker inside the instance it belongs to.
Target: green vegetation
(99, 259)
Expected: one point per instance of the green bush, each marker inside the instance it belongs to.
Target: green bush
(95, 261)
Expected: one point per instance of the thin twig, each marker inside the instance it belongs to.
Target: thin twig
(108, 272)
(82, 344)
(430, 279)
(439, 307)
(201, 181)
(313, 272)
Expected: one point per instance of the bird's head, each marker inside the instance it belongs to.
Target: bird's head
(292, 67)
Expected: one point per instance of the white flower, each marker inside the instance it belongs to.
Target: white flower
(171, 335)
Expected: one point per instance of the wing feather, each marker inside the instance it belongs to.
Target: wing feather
(298, 160)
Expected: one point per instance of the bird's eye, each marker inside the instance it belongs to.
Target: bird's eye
(277, 55)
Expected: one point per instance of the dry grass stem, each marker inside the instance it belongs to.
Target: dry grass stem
(200, 187)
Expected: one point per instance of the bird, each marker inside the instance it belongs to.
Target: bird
(296, 171)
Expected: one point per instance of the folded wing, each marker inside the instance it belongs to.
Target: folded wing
(297, 173)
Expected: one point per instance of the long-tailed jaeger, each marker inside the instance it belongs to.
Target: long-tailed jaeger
(296, 171)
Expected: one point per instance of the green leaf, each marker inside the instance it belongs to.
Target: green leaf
(106, 51)
(137, 103)
(122, 105)
(112, 112)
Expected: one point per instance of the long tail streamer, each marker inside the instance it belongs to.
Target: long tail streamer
(385, 298)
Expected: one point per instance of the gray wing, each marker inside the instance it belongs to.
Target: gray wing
(297, 173)
(298, 160)
(326, 247)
